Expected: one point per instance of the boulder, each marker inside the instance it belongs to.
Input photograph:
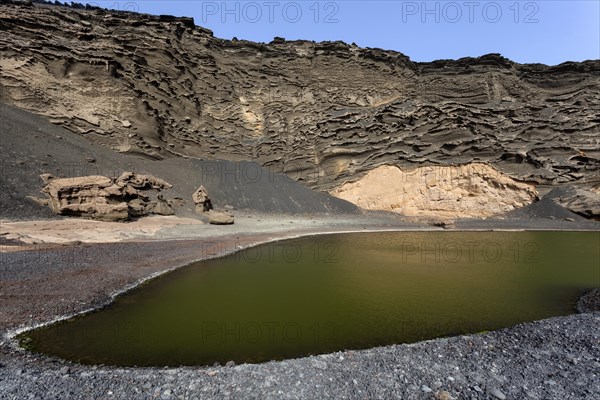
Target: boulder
(103, 198)
(161, 207)
(202, 200)
(220, 218)
(137, 207)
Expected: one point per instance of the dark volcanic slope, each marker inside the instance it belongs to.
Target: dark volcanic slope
(31, 146)
(545, 208)
(322, 112)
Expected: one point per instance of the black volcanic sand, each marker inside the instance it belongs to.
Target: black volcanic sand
(31, 146)
(544, 208)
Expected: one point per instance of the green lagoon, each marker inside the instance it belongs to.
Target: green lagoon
(333, 292)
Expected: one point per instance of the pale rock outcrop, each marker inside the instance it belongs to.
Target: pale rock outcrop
(85, 196)
(106, 199)
(220, 217)
(468, 191)
(202, 200)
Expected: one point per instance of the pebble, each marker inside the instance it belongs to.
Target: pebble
(550, 382)
(443, 395)
(230, 364)
(477, 389)
(64, 370)
(426, 389)
(493, 391)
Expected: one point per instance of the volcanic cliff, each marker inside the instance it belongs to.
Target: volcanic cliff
(324, 113)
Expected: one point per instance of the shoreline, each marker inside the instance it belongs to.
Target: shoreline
(12, 352)
(10, 334)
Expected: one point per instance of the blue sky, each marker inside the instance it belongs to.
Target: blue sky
(548, 32)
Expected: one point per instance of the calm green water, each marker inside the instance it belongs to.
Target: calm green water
(335, 292)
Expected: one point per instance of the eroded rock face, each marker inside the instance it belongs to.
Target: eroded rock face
(103, 198)
(143, 182)
(322, 112)
(471, 191)
(91, 196)
(580, 200)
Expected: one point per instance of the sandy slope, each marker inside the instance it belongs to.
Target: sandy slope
(31, 146)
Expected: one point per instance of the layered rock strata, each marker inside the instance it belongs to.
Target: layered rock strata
(324, 113)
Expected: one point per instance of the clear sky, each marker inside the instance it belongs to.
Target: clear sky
(548, 31)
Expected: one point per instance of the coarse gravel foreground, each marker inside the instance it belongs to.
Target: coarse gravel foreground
(557, 358)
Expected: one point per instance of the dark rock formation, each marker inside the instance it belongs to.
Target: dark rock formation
(324, 113)
(544, 208)
(142, 182)
(580, 200)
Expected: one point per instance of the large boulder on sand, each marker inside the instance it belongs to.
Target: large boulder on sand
(220, 217)
(103, 198)
(85, 196)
